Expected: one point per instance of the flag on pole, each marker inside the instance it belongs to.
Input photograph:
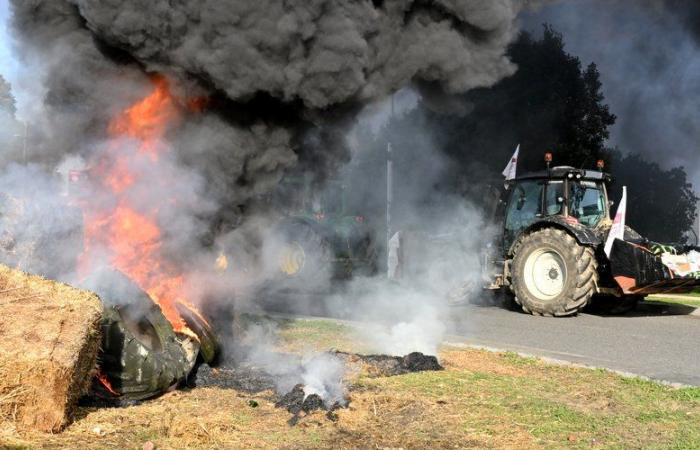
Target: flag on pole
(617, 231)
(512, 166)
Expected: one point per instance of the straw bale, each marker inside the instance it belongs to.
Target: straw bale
(49, 337)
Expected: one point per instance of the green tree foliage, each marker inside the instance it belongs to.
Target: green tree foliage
(661, 204)
(550, 104)
(7, 100)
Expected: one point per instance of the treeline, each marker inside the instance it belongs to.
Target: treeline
(552, 103)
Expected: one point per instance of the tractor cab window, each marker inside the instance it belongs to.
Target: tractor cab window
(524, 206)
(587, 202)
(332, 199)
(554, 198)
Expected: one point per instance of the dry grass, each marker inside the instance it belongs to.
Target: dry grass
(481, 400)
(48, 346)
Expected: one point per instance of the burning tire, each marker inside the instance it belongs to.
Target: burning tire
(141, 355)
(552, 274)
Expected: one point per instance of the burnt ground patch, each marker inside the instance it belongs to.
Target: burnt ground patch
(300, 405)
(387, 366)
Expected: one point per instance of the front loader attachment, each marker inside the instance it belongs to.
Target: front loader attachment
(638, 271)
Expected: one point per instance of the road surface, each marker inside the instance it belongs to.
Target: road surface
(657, 341)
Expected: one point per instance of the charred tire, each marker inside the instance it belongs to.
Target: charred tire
(209, 348)
(553, 275)
(141, 356)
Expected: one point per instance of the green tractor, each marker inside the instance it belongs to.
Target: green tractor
(550, 256)
(319, 239)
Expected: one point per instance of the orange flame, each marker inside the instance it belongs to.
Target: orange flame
(130, 234)
(104, 381)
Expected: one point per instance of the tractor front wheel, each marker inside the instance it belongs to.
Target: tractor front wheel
(553, 275)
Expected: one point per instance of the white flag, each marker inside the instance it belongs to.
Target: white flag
(512, 166)
(617, 231)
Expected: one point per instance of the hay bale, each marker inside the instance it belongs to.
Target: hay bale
(49, 337)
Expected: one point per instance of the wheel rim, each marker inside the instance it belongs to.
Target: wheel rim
(292, 259)
(545, 274)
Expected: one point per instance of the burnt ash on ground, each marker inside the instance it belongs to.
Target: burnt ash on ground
(242, 377)
(387, 366)
(251, 379)
(299, 404)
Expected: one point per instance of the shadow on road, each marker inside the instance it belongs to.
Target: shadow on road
(656, 309)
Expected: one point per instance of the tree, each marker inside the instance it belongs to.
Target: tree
(661, 203)
(550, 104)
(7, 100)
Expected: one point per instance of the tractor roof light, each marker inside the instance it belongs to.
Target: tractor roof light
(600, 164)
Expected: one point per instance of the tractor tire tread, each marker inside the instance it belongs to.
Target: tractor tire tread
(578, 257)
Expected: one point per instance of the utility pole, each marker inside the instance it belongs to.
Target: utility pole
(389, 193)
(24, 142)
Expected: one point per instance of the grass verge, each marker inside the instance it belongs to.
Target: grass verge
(481, 400)
(687, 300)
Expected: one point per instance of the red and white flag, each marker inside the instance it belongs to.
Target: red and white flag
(511, 168)
(617, 231)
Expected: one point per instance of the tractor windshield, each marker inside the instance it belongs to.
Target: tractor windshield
(587, 202)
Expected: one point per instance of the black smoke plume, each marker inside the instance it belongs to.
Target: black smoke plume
(284, 79)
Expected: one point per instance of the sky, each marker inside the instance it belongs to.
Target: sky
(8, 64)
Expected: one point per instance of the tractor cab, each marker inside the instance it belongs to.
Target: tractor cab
(576, 196)
(552, 257)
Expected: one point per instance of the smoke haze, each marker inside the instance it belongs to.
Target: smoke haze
(649, 59)
(258, 89)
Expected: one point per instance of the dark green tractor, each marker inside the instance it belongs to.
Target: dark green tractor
(320, 240)
(551, 256)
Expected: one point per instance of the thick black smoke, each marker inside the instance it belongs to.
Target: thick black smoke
(285, 78)
(648, 53)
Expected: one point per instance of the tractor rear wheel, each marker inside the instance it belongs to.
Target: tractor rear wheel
(304, 257)
(553, 275)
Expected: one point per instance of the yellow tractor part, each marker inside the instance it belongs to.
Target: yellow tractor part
(292, 259)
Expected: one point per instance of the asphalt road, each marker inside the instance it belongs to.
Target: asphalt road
(656, 341)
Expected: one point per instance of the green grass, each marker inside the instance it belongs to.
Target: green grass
(676, 300)
(555, 406)
(566, 407)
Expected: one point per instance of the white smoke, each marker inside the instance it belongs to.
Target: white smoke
(284, 82)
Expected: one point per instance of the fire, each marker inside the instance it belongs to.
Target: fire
(129, 233)
(104, 381)
(221, 262)
(148, 119)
